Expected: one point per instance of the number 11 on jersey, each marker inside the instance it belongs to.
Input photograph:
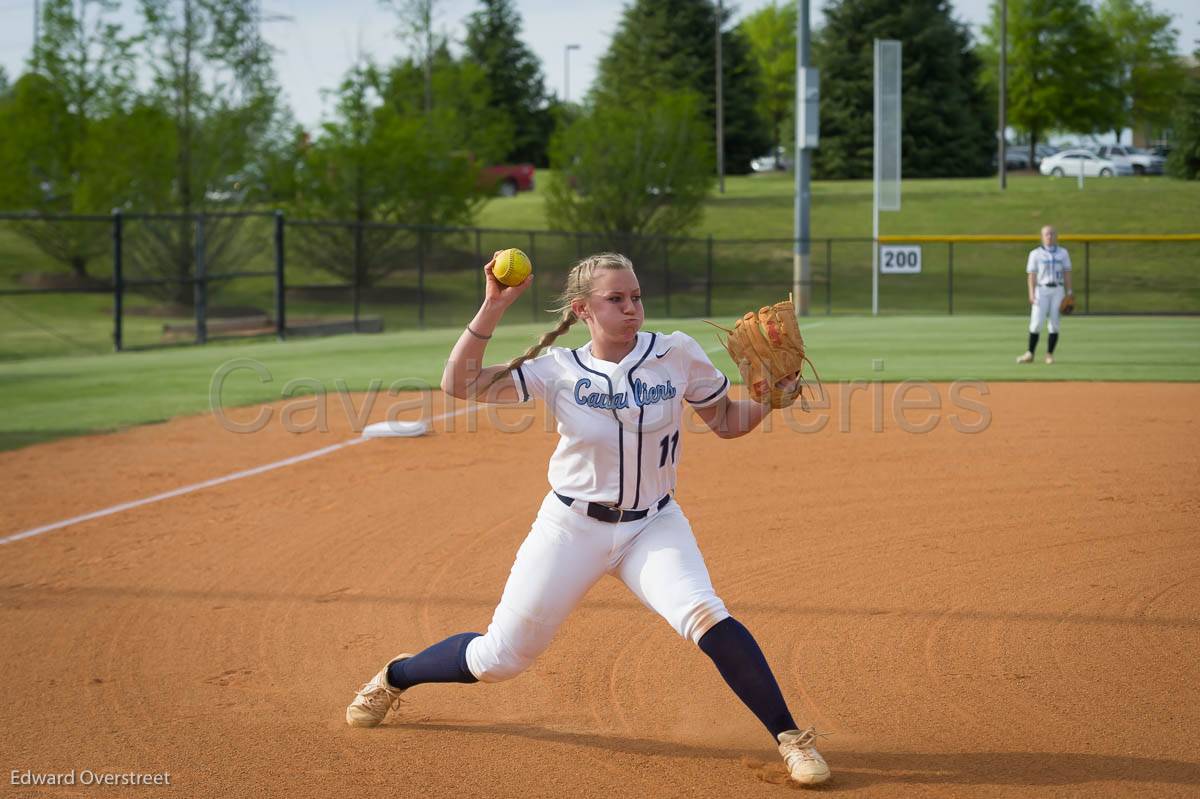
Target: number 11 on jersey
(669, 446)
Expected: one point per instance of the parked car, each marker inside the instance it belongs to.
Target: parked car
(1042, 152)
(778, 160)
(508, 179)
(1015, 157)
(1141, 161)
(1069, 162)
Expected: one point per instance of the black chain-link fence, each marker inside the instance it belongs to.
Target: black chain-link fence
(131, 281)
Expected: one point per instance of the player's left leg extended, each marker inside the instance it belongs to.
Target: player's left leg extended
(561, 558)
(664, 568)
(1052, 324)
(1037, 314)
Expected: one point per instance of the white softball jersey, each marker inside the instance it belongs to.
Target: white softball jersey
(1050, 265)
(620, 422)
(619, 425)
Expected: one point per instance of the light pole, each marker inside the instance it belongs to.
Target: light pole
(1002, 144)
(37, 32)
(720, 70)
(567, 71)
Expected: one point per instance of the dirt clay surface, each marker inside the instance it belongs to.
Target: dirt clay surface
(1011, 612)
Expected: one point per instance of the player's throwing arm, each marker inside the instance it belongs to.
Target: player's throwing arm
(464, 374)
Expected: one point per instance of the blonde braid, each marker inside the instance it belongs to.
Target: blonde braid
(578, 287)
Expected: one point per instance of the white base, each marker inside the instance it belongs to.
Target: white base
(396, 429)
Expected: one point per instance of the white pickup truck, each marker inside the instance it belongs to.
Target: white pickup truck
(1142, 162)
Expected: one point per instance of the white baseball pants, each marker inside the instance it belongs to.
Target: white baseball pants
(565, 554)
(1045, 306)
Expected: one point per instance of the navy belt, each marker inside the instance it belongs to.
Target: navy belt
(607, 513)
(1049, 285)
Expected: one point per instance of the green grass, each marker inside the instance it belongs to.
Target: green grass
(48, 398)
(987, 278)
(760, 206)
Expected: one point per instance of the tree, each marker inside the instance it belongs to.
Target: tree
(669, 45)
(513, 75)
(272, 178)
(461, 104)
(212, 77)
(372, 164)
(137, 148)
(1149, 73)
(632, 170)
(771, 34)
(947, 122)
(1061, 69)
(416, 19)
(50, 164)
(3, 79)
(1184, 161)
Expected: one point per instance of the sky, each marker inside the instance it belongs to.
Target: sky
(317, 40)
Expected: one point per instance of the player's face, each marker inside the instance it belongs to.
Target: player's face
(614, 308)
(1049, 236)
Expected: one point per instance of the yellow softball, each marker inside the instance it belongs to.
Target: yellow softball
(512, 267)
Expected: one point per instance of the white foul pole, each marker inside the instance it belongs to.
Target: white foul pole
(875, 150)
(887, 148)
(807, 135)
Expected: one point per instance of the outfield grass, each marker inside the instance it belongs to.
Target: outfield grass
(985, 279)
(50, 398)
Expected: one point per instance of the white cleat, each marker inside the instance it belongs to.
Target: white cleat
(804, 763)
(1049, 358)
(370, 707)
(1026, 358)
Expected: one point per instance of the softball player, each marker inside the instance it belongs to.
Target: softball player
(618, 401)
(1048, 273)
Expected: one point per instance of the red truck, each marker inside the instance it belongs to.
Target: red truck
(507, 179)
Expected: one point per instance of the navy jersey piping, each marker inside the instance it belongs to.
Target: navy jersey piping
(637, 495)
(724, 385)
(620, 432)
(524, 388)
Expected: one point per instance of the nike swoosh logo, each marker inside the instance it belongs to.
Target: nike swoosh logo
(657, 355)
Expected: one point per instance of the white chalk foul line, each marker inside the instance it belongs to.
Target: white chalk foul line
(177, 492)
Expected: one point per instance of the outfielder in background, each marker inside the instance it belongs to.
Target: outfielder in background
(1048, 275)
(618, 401)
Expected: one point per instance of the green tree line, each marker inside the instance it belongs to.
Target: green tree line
(186, 115)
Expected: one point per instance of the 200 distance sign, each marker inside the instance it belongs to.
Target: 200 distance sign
(894, 260)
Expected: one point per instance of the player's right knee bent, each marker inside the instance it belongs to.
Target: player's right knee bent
(491, 659)
(499, 671)
(701, 617)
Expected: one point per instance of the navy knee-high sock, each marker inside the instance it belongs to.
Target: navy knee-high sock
(1053, 342)
(1033, 340)
(445, 661)
(744, 667)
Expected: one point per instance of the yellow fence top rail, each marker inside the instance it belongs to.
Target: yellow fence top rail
(1033, 238)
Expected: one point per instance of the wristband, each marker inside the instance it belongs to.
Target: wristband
(477, 335)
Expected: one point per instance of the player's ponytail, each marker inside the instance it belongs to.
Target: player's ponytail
(578, 287)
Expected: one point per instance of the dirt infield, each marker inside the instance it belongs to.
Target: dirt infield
(1011, 612)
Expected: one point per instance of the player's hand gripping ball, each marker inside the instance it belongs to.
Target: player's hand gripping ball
(512, 267)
